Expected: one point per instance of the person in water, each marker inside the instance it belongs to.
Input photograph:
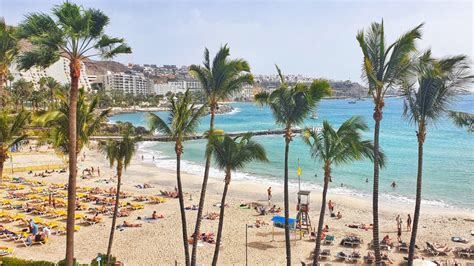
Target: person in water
(394, 185)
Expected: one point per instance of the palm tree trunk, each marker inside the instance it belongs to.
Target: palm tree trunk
(221, 219)
(375, 196)
(2, 161)
(181, 207)
(114, 217)
(2, 86)
(286, 199)
(75, 69)
(416, 216)
(203, 193)
(317, 249)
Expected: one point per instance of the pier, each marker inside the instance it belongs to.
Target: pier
(202, 136)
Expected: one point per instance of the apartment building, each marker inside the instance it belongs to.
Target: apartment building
(128, 83)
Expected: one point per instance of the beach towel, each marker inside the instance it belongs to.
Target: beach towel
(459, 239)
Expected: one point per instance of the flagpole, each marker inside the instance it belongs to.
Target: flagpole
(299, 180)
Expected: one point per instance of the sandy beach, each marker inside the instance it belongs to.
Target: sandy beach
(159, 242)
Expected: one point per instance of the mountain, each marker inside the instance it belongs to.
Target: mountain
(101, 67)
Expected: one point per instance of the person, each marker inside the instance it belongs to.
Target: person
(339, 215)
(153, 158)
(98, 171)
(394, 185)
(33, 227)
(367, 180)
(387, 241)
(409, 223)
(269, 194)
(156, 216)
(398, 220)
(331, 206)
(142, 157)
(399, 234)
(127, 224)
(326, 228)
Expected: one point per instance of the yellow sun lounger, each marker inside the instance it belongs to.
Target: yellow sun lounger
(4, 251)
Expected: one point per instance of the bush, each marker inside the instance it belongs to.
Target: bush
(75, 263)
(11, 261)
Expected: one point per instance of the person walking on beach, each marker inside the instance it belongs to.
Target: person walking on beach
(269, 193)
(399, 234)
(409, 223)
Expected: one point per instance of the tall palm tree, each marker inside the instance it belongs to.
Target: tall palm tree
(426, 100)
(183, 121)
(290, 105)
(341, 146)
(462, 120)
(49, 85)
(219, 79)
(232, 154)
(120, 152)
(73, 33)
(11, 132)
(58, 121)
(383, 68)
(8, 51)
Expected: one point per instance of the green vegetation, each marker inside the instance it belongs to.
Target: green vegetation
(462, 120)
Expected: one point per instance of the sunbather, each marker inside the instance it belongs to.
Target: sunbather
(127, 224)
(387, 241)
(156, 216)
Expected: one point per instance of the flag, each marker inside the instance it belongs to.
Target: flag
(298, 171)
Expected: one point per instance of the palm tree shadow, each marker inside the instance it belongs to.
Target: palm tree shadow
(260, 245)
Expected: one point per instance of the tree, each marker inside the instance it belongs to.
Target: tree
(232, 154)
(21, 91)
(290, 106)
(462, 120)
(58, 121)
(48, 85)
(73, 33)
(8, 51)
(11, 132)
(427, 99)
(120, 152)
(383, 68)
(219, 79)
(341, 146)
(183, 121)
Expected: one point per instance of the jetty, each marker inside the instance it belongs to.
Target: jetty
(163, 138)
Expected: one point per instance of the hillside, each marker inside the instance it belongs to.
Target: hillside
(101, 67)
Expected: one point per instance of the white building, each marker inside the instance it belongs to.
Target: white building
(59, 71)
(128, 83)
(177, 86)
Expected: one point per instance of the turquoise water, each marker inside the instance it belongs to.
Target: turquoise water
(448, 158)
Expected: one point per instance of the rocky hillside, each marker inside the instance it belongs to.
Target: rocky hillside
(101, 67)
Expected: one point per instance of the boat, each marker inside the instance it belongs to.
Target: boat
(314, 116)
(351, 102)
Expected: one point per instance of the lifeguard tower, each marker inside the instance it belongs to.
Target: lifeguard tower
(302, 219)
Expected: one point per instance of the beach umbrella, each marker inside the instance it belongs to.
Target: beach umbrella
(422, 262)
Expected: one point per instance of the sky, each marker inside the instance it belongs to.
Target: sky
(313, 38)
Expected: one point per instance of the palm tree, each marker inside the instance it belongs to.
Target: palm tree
(219, 79)
(8, 51)
(11, 132)
(58, 121)
(49, 85)
(290, 106)
(462, 120)
(21, 91)
(341, 146)
(182, 122)
(120, 152)
(73, 33)
(232, 154)
(383, 68)
(426, 100)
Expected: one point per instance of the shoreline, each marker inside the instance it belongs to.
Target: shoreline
(248, 178)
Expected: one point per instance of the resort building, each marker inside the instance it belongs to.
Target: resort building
(177, 87)
(128, 83)
(59, 71)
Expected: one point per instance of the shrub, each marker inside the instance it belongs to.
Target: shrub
(11, 261)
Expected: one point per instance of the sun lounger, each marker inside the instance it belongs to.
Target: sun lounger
(351, 241)
(403, 246)
(329, 240)
(4, 251)
(30, 241)
(341, 255)
(435, 250)
(325, 254)
(464, 252)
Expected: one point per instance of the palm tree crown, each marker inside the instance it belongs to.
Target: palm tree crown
(437, 82)
(183, 120)
(340, 146)
(462, 119)
(291, 105)
(73, 32)
(234, 153)
(11, 132)
(223, 76)
(8, 51)
(120, 151)
(87, 121)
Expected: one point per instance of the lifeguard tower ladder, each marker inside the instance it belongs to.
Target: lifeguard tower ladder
(302, 219)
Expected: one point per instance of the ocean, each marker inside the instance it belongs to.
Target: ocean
(448, 154)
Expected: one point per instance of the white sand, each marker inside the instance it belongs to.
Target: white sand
(160, 242)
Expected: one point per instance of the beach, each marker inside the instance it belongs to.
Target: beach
(160, 242)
